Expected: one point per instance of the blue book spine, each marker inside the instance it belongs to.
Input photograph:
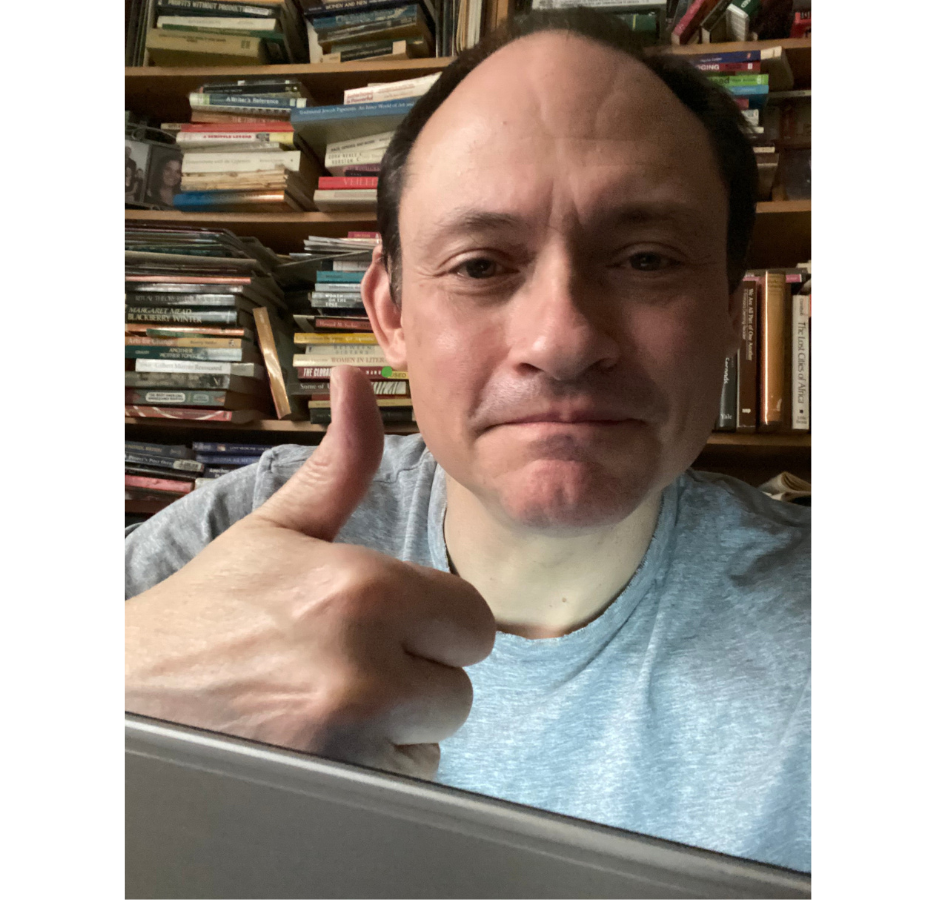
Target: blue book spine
(352, 6)
(222, 459)
(253, 102)
(352, 111)
(235, 449)
(339, 277)
(747, 90)
(374, 17)
(737, 56)
(195, 200)
(167, 451)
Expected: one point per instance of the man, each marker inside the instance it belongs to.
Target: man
(563, 241)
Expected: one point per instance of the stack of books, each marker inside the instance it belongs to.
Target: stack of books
(351, 138)
(190, 343)
(159, 473)
(219, 459)
(214, 33)
(333, 330)
(760, 82)
(720, 21)
(350, 30)
(647, 19)
(767, 383)
(239, 153)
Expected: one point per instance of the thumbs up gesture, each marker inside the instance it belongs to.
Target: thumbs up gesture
(275, 633)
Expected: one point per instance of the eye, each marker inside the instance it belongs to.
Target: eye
(480, 267)
(649, 261)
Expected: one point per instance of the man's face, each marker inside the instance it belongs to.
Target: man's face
(565, 307)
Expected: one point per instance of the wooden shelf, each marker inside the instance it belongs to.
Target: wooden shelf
(781, 230)
(146, 507)
(162, 91)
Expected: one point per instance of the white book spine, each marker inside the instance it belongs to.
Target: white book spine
(368, 142)
(353, 158)
(337, 360)
(262, 142)
(223, 23)
(801, 361)
(183, 365)
(395, 90)
(341, 266)
(240, 162)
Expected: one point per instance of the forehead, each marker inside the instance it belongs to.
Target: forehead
(557, 120)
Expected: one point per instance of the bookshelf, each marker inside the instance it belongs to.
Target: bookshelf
(782, 237)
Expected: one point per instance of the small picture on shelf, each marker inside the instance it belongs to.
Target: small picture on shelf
(137, 157)
(164, 179)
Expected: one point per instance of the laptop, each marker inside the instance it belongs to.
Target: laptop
(208, 815)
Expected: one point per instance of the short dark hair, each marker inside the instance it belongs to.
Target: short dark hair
(714, 107)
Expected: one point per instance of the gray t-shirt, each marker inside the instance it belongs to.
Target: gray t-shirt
(683, 711)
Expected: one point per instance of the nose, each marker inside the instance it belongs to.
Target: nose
(561, 324)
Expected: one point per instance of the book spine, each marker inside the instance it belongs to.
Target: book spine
(179, 412)
(175, 398)
(210, 354)
(246, 101)
(335, 338)
(213, 8)
(330, 183)
(774, 340)
(150, 459)
(325, 277)
(199, 342)
(191, 316)
(735, 56)
(253, 450)
(686, 27)
(747, 360)
(338, 359)
(736, 80)
(349, 324)
(177, 380)
(357, 111)
(382, 401)
(164, 451)
(325, 25)
(184, 366)
(335, 301)
(267, 340)
(227, 459)
(728, 404)
(184, 300)
(727, 68)
(157, 484)
(323, 372)
(351, 6)
(800, 361)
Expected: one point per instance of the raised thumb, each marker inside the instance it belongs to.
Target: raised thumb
(323, 493)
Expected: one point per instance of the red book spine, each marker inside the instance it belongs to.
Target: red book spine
(344, 324)
(333, 183)
(142, 482)
(728, 68)
(179, 412)
(363, 234)
(743, 102)
(687, 26)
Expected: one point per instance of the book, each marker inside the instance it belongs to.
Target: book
(186, 316)
(393, 23)
(214, 399)
(728, 402)
(270, 107)
(401, 48)
(269, 346)
(687, 26)
(234, 449)
(193, 382)
(163, 462)
(339, 278)
(359, 354)
(197, 367)
(321, 390)
(345, 200)
(335, 338)
(382, 401)
(191, 414)
(402, 416)
(230, 459)
(237, 201)
(168, 451)
(259, 9)
(202, 354)
(774, 340)
(320, 126)
(323, 372)
(800, 361)
(183, 330)
(743, 78)
(330, 183)
(240, 161)
(337, 323)
(165, 485)
(203, 342)
(747, 360)
(225, 23)
(714, 27)
(394, 90)
(344, 7)
(168, 48)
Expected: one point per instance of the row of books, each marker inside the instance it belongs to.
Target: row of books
(199, 311)
(766, 386)
(332, 328)
(160, 473)
(779, 117)
(214, 33)
(682, 22)
(258, 144)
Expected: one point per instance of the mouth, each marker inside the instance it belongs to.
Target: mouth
(570, 418)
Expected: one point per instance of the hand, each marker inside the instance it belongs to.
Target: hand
(275, 633)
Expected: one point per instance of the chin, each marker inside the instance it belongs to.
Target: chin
(562, 497)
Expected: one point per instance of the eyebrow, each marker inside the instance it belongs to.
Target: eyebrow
(468, 219)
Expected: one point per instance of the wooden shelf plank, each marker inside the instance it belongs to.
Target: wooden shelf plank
(162, 91)
(146, 507)
(781, 230)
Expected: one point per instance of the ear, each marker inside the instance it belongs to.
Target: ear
(384, 314)
(734, 318)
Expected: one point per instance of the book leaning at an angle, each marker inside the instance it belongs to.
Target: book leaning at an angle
(394, 90)
(275, 349)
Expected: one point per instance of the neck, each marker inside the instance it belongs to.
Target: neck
(541, 586)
